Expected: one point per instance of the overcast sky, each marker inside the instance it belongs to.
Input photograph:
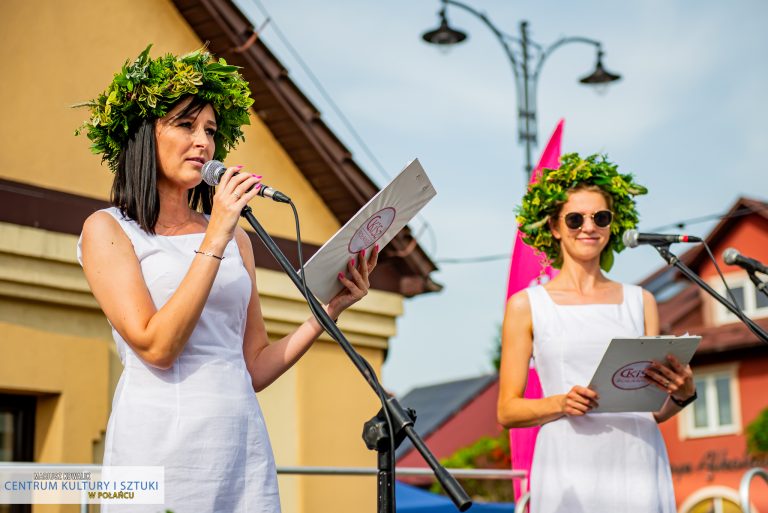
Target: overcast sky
(688, 119)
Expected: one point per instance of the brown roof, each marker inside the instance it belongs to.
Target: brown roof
(297, 125)
(693, 257)
(683, 311)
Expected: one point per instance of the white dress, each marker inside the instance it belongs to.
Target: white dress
(600, 462)
(199, 419)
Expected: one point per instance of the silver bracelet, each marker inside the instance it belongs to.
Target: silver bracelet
(208, 253)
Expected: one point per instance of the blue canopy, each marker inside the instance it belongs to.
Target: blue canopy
(415, 500)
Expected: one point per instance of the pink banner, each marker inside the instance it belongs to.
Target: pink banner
(526, 269)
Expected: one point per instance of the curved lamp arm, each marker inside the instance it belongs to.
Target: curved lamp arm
(557, 44)
(501, 36)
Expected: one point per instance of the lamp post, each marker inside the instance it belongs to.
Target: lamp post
(526, 58)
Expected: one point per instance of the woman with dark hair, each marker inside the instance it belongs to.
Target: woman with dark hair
(585, 462)
(174, 275)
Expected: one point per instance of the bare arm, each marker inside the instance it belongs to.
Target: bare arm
(516, 348)
(266, 362)
(113, 272)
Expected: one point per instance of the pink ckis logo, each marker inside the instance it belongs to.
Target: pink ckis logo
(372, 230)
(631, 376)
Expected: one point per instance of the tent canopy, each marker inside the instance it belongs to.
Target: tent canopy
(415, 500)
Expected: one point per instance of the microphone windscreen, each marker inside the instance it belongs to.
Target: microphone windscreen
(212, 171)
(730, 255)
(630, 238)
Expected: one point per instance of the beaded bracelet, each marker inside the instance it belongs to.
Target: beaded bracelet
(208, 253)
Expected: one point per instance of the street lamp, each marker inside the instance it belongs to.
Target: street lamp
(530, 56)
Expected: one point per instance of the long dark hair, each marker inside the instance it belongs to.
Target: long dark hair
(134, 188)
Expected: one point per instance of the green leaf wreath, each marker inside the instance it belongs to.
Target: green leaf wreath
(550, 191)
(148, 88)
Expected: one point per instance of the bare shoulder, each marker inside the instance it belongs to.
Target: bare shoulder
(648, 299)
(101, 227)
(245, 247)
(243, 241)
(519, 305)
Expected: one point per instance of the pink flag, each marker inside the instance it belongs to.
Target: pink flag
(525, 270)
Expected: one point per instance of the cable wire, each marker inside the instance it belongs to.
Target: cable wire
(378, 388)
(336, 109)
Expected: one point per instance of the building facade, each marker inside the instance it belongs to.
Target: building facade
(58, 366)
(707, 441)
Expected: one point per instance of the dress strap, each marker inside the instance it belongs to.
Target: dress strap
(633, 302)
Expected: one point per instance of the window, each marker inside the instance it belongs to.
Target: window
(712, 499)
(716, 411)
(17, 427)
(753, 302)
(715, 505)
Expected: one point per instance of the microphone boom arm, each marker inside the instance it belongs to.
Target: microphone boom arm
(686, 271)
(759, 284)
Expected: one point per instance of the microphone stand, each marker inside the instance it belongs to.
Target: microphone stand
(759, 284)
(673, 260)
(376, 433)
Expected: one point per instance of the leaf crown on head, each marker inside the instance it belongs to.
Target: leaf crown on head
(149, 88)
(549, 192)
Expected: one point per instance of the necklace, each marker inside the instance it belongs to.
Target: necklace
(177, 226)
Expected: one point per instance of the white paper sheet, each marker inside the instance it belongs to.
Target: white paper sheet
(619, 379)
(376, 223)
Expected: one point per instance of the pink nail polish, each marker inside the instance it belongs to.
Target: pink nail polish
(256, 176)
(341, 275)
(238, 167)
(377, 247)
(352, 261)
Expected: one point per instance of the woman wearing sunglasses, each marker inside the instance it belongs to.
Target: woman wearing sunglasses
(575, 215)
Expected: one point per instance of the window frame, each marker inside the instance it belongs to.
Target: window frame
(687, 426)
(737, 279)
(23, 408)
(711, 492)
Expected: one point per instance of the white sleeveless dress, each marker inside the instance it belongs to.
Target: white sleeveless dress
(199, 419)
(600, 462)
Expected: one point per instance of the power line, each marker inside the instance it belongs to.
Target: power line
(340, 114)
(710, 217)
(474, 260)
(679, 224)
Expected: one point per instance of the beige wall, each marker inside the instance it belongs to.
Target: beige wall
(59, 53)
(54, 341)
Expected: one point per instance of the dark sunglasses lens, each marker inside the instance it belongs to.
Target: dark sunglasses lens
(603, 218)
(574, 220)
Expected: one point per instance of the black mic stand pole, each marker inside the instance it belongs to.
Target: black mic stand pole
(673, 260)
(377, 434)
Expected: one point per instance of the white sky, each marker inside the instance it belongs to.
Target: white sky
(688, 119)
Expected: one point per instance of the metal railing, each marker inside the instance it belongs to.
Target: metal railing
(468, 473)
(746, 480)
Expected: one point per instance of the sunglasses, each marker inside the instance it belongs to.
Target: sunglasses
(601, 218)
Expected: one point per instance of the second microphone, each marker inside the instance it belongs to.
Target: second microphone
(213, 170)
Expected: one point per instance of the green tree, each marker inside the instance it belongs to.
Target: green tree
(488, 453)
(757, 434)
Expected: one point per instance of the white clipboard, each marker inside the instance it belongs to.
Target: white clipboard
(376, 223)
(619, 379)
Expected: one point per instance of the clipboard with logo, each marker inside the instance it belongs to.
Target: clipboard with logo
(620, 377)
(377, 222)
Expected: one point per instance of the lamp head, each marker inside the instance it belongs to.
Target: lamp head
(600, 75)
(444, 34)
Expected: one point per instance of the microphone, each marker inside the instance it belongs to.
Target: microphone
(733, 257)
(633, 238)
(213, 169)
